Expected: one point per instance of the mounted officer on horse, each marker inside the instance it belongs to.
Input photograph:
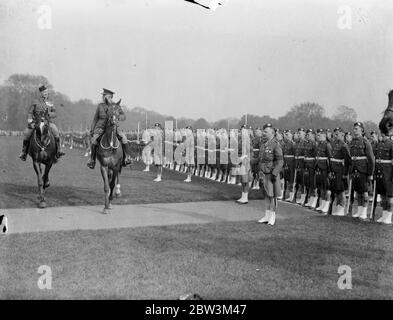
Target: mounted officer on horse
(99, 124)
(39, 108)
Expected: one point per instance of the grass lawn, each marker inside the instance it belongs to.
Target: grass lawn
(298, 258)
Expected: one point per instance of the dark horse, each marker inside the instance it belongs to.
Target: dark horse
(386, 123)
(42, 150)
(110, 157)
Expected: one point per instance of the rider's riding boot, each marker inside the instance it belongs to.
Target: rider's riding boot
(23, 155)
(126, 157)
(92, 162)
(58, 152)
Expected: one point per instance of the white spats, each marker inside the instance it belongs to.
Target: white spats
(266, 218)
(363, 213)
(243, 199)
(272, 218)
(386, 217)
(325, 208)
(340, 211)
(158, 179)
(321, 205)
(290, 198)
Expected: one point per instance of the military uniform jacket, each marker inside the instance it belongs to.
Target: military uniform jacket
(323, 155)
(340, 159)
(100, 117)
(271, 157)
(362, 156)
(309, 154)
(256, 142)
(288, 150)
(300, 147)
(384, 154)
(41, 107)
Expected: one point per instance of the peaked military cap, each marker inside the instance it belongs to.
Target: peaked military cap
(320, 130)
(337, 129)
(106, 91)
(42, 88)
(358, 124)
(301, 129)
(267, 125)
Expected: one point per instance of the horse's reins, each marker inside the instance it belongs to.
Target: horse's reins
(111, 144)
(39, 144)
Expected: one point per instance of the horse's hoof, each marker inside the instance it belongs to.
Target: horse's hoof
(105, 211)
(110, 206)
(42, 205)
(46, 185)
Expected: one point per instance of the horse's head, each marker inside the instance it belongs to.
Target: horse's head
(42, 126)
(386, 123)
(113, 114)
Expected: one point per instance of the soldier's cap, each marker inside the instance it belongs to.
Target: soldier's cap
(310, 131)
(320, 130)
(348, 133)
(157, 125)
(287, 131)
(337, 129)
(106, 91)
(278, 130)
(358, 124)
(301, 129)
(244, 126)
(189, 127)
(42, 88)
(327, 130)
(267, 125)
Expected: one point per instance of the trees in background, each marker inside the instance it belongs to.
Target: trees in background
(18, 91)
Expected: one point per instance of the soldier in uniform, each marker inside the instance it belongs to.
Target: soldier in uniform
(289, 164)
(189, 141)
(244, 167)
(256, 142)
(41, 107)
(322, 169)
(309, 169)
(362, 168)
(339, 164)
(97, 127)
(270, 164)
(384, 177)
(280, 139)
(373, 140)
(329, 137)
(300, 147)
(158, 150)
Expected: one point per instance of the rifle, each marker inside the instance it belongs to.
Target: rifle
(294, 186)
(350, 197)
(375, 195)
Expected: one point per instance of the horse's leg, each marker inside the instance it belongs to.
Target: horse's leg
(38, 171)
(112, 185)
(46, 176)
(118, 191)
(104, 173)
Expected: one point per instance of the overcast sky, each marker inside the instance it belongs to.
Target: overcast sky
(171, 56)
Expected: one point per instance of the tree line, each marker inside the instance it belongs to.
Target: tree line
(19, 90)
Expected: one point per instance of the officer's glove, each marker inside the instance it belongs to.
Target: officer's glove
(370, 178)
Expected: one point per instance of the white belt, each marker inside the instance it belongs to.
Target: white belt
(255, 149)
(321, 158)
(307, 158)
(383, 161)
(299, 157)
(337, 160)
(288, 156)
(359, 158)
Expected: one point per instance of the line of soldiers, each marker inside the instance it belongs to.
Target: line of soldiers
(318, 167)
(321, 168)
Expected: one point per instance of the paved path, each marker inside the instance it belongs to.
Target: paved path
(128, 216)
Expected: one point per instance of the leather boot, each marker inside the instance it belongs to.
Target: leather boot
(92, 162)
(58, 152)
(126, 157)
(25, 147)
